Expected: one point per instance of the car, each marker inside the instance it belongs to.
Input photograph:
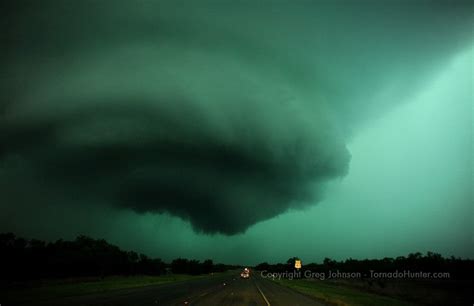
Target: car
(245, 273)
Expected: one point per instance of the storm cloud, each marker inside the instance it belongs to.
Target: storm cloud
(221, 114)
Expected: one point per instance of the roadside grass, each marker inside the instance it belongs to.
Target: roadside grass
(340, 295)
(49, 289)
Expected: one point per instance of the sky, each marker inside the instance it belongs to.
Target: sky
(240, 132)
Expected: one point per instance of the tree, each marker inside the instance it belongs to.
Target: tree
(264, 266)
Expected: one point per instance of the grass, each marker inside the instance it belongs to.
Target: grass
(340, 295)
(50, 289)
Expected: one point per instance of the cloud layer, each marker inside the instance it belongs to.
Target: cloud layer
(223, 115)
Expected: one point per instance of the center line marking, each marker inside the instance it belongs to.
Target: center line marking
(263, 295)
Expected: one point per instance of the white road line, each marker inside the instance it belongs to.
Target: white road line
(261, 293)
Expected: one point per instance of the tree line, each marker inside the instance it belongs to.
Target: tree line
(23, 259)
(457, 268)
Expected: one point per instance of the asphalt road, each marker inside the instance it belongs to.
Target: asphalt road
(221, 290)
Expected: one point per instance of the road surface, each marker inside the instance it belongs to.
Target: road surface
(223, 290)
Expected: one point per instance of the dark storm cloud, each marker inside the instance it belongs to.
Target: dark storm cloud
(217, 184)
(223, 115)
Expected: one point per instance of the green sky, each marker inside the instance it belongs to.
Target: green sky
(243, 133)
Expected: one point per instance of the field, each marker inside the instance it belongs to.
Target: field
(48, 289)
(390, 293)
(340, 295)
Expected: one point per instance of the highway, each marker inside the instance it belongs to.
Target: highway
(226, 290)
